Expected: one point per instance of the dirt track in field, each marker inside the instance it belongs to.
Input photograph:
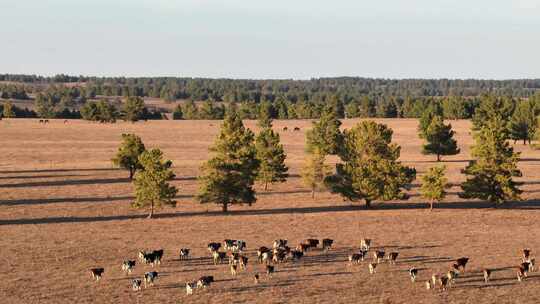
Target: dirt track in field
(64, 209)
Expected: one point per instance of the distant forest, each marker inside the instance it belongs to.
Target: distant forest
(64, 96)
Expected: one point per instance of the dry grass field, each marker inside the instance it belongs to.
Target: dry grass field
(64, 209)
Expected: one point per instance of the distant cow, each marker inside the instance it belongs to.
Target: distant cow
(313, 243)
(150, 278)
(234, 269)
(327, 244)
(296, 129)
(443, 281)
(365, 244)
(205, 281)
(379, 255)
(279, 243)
(260, 253)
(413, 273)
(218, 257)
(526, 254)
(487, 275)
(461, 263)
(285, 128)
(136, 284)
(270, 269)
(392, 256)
(354, 258)
(296, 254)
(184, 253)
(303, 247)
(213, 246)
(372, 267)
(190, 286)
(97, 273)
(127, 266)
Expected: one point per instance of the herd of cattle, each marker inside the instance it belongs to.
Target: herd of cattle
(234, 252)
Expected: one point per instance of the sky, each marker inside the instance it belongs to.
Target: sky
(299, 39)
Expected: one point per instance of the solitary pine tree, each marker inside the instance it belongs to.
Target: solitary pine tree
(265, 115)
(369, 167)
(492, 107)
(271, 156)
(492, 172)
(133, 109)
(325, 136)
(128, 153)
(314, 172)
(8, 110)
(151, 186)
(434, 185)
(228, 177)
(432, 110)
(523, 122)
(440, 139)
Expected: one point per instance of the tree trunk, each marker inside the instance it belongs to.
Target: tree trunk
(368, 203)
(431, 205)
(524, 141)
(438, 157)
(224, 207)
(131, 173)
(151, 210)
(313, 193)
(265, 186)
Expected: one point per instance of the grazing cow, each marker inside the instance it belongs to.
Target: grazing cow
(285, 128)
(526, 266)
(526, 254)
(392, 256)
(218, 256)
(184, 253)
(127, 266)
(313, 243)
(413, 273)
(279, 243)
(46, 121)
(451, 275)
(256, 278)
(372, 267)
(444, 282)
(270, 269)
(97, 273)
(234, 269)
(434, 279)
(190, 286)
(354, 258)
(532, 263)
(41, 121)
(158, 255)
(428, 285)
(136, 284)
(303, 247)
(296, 129)
(365, 244)
(296, 255)
(522, 271)
(279, 256)
(461, 263)
(228, 244)
(234, 258)
(266, 257)
(243, 262)
(327, 244)
(205, 281)
(141, 255)
(65, 121)
(260, 253)
(379, 255)
(212, 247)
(234, 245)
(487, 275)
(149, 278)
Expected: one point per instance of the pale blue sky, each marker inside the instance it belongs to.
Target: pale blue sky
(273, 38)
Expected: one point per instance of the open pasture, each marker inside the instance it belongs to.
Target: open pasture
(64, 210)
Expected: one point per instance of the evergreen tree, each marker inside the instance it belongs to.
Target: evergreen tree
(8, 111)
(366, 108)
(271, 156)
(151, 186)
(434, 185)
(229, 175)
(128, 153)
(523, 123)
(106, 111)
(370, 169)
(431, 111)
(325, 136)
(189, 110)
(265, 115)
(133, 109)
(315, 171)
(492, 172)
(440, 139)
(492, 107)
(89, 111)
(351, 110)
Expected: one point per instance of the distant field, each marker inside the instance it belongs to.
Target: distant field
(64, 209)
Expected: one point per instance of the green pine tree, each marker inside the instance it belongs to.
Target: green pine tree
(434, 185)
(325, 136)
(440, 139)
(151, 186)
(432, 110)
(492, 172)
(369, 167)
(128, 153)
(523, 122)
(133, 109)
(314, 172)
(492, 107)
(228, 177)
(271, 156)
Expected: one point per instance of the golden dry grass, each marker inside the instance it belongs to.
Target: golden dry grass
(64, 209)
